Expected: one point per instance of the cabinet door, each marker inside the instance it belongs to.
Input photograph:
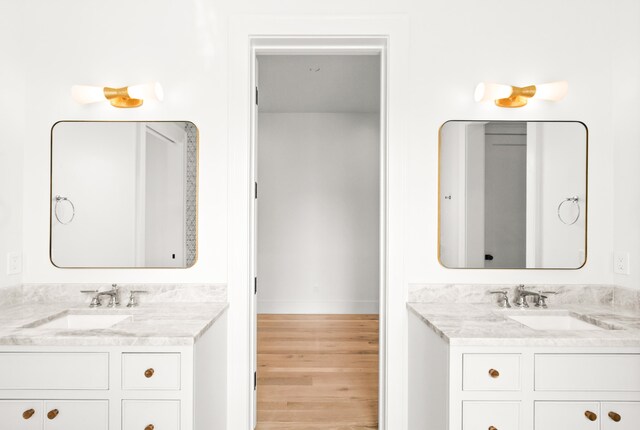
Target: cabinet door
(567, 416)
(76, 415)
(150, 414)
(620, 415)
(21, 414)
(491, 415)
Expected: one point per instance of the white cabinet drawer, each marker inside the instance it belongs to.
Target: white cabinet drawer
(76, 415)
(567, 416)
(21, 414)
(620, 415)
(487, 415)
(141, 414)
(151, 371)
(587, 372)
(54, 371)
(491, 372)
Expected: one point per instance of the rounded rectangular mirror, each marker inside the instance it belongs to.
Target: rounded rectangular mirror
(513, 194)
(124, 194)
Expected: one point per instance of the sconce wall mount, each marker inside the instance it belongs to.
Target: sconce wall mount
(124, 97)
(508, 96)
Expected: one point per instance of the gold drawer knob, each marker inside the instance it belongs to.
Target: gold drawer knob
(590, 416)
(494, 373)
(53, 413)
(615, 416)
(28, 414)
(492, 428)
(149, 372)
(149, 427)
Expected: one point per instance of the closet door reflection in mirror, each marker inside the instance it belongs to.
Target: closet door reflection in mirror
(124, 194)
(513, 195)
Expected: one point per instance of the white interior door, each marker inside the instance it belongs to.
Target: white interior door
(164, 200)
(254, 239)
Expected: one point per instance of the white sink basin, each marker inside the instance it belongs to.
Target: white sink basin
(554, 322)
(84, 321)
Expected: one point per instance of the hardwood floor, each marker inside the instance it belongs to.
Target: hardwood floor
(317, 372)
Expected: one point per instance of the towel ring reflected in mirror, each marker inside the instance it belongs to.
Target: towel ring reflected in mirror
(571, 200)
(73, 209)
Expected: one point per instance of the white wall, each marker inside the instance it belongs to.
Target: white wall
(318, 213)
(12, 103)
(576, 50)
(561, 158)
(626, 137)
(95, 167)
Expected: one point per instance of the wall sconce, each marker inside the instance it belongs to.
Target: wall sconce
(508, 96)
(125, 97)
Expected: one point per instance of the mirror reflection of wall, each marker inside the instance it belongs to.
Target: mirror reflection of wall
(123, 194)
(513, 194)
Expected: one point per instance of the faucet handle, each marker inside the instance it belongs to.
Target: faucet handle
(132, 297)
(541, 301)
(503, 301)
(95, 300)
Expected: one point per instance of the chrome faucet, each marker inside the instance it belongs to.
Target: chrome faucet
(521, 298)
(113, 293)
(114, 296)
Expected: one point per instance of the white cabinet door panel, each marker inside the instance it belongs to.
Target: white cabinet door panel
(566, 416)
(140, 414)
(620, 415)
(76, 415)
(21, 414)
(484, 415)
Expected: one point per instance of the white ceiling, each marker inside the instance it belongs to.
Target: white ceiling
(319, 83)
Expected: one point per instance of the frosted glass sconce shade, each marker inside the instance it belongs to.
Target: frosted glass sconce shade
(125, 97)
(512, 97)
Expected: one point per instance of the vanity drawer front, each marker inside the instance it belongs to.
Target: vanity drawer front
(141, 414)
(21, 414)
(491, 372)
(488, 415)
(54, 371)
(587, 372)
(151, 371)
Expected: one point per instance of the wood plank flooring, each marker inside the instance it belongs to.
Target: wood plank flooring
(317, 372)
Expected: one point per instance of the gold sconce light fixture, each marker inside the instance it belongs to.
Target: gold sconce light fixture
(508, 96)
(124, 97)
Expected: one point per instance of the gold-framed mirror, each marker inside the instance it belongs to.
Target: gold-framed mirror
(512, 194)
(124, 194)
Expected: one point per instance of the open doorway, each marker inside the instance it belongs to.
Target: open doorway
(317, 253)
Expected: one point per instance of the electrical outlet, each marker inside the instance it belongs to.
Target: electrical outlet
(621, 263)
(14, 263)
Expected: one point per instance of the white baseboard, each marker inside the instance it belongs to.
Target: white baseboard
(352, 307)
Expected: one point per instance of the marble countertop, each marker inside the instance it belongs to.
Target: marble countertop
(154, 324)
(469, 324)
